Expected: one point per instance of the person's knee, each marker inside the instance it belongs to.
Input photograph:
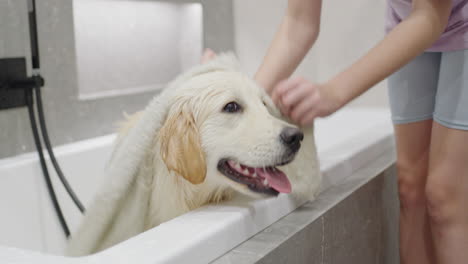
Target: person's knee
(441, 200)
(411, 181)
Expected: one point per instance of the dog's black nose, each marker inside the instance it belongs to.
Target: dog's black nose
(292, 137)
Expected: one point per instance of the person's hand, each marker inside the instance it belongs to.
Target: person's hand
(303, 101)
(208, 54)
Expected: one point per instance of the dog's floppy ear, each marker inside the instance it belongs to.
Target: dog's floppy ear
(181, 147)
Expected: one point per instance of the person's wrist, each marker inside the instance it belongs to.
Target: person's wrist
(336, 93)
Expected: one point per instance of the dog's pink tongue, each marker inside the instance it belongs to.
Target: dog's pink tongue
(276, 178)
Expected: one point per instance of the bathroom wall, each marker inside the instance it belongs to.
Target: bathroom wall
(68, 118)
(255, 25)
(14, 42)
(348, 29)
(248, 26)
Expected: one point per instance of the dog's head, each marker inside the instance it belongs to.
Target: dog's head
(223, 129)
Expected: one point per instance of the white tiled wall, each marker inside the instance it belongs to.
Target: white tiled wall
(348, 29)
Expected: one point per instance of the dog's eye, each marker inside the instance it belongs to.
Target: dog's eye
(232, 107)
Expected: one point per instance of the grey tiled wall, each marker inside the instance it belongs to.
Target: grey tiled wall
(68, 118)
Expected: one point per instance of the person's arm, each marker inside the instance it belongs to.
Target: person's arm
(296, 35)
(407, 40)
(303, 101)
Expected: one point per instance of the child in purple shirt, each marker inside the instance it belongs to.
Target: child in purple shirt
(425, 54)
(455, 35)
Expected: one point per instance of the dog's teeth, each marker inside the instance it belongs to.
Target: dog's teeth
(237, 166)
(265, 182)
(245, 171)
(254, 175)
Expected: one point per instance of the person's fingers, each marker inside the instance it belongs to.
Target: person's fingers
(293, 96)
(282, 108)
(308, 119)
(299, 110)
(277, 90)
(283, 87)
(208, 54)
(306, 105)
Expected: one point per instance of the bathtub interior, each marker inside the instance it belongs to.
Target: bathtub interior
(31, 222)
(28, 221)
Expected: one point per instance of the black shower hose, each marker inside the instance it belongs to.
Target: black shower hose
(36, 89)
(37, 141)
(45, 136)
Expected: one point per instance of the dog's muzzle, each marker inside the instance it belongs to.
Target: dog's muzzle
(291, 137)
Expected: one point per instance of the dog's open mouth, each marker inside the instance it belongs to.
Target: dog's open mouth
(268, 180)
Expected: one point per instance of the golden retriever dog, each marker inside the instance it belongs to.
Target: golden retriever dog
(211, 132)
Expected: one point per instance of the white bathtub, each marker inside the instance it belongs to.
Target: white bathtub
(30, 233)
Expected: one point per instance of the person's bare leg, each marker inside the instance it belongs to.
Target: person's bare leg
(412, 142)
(447, 194)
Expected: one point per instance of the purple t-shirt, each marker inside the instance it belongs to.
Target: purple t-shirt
(455, 36)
